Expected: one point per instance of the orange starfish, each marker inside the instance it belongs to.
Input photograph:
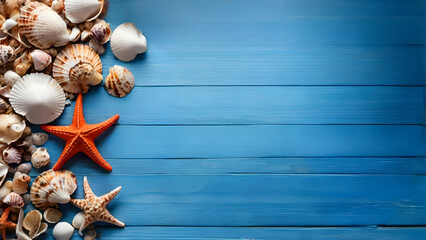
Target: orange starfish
(5, 223)
(80, 137)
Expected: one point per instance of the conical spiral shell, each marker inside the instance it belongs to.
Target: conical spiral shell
(52, 187)
(42, 26)
(12, 127)
(119, 82)
(77, 67)
(38, 97)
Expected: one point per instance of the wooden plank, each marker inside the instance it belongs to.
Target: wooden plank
(245, 233)
(402, 166)
(257, 141)
(262, 200)
(278, 65)
(257, 105)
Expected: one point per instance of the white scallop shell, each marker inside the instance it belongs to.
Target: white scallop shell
(127, 42)
(41, 59)
(11, 77)
(42, 26)
(12, 127)
(78, 11)
(119, 82)
(38, 97)
(77, 67)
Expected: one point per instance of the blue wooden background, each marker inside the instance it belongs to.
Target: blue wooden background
(254, 119)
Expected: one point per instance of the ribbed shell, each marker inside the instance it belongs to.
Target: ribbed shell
(42, 26)
(127, 42)
(78, 11)
(52, 187)
(119, 82)
(70, 57)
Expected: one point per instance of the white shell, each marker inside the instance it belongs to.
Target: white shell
(14, 200)
(78, 220)
(119, 82)
(12, 127)
(9, 24)
(11, 77)
(78, 11)
(127, 42)
(52, 215)
(40, 158)
(41, 59)
(38, 97)
(75, 34)
(63, 231)
(42, 26)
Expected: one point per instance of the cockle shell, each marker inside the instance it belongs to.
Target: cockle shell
(20, 183)
(12, 127)
(63, 231)
(12, 155)
(127, 42)
(38, 97)
(7, 54)
(78, 11)
(42, 26)
(100, 32)
(119, 82)
(41, 59)
(32, 222)
(11, 77)
(77, 67)
(52, 187)
(40, 158)
(39, 139)
(13, 199)
(52, 215)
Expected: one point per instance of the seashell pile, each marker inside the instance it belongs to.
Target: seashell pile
(49, 51)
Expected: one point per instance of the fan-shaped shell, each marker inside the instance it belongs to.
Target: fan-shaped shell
(42, 26)
(119, 82)
(12, 127)
(78, 11)
(77, 67)
(52, 187)
(38, 97)
(127, 42)
(13, 199)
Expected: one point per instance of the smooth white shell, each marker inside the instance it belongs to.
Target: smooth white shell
(63, 231)
(78, 11)
(12, 127)
(38, 97)
(9, 24)
(11, 77)
(41, 59)
(42, 26)
(78, 220)
(119, 82)
(127, 42)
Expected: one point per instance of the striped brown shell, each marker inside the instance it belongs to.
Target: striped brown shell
(52, 187)
(119, 82)
(73, 64)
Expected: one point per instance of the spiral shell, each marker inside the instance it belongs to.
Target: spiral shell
(52, 187)
(40, 158)
(13, 199)
(7, 54)
(77, 67)
(42, 26)
(12, 127)
(101, 32)
(20, 183)
(119, 82)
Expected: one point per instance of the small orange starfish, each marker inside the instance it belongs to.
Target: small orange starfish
(5, 223)
(80, 137)
(95, 207)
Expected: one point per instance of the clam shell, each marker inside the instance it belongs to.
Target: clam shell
(100, 32)
(119, 82)
(41, 59)
(52, 215)
(7, 54)
(52, 187)
(63, 231)
(127, 42)
(77, 67)
(13, 199)
(40, 158)
(32, 222)
(78, 11)
(12, 127)
(12, 155)
(38, 97)
(78, 220)
(24, 168)
(11, 77)
(20, 183)
(42, 26)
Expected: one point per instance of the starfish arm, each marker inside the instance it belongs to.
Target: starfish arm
(69, 151)
(3, 233)
(63, 132)
(92, 151)
(5, 215)
(88, 219)
(94, 130)
(78, 119)
(106, 199)
(87, 189)
(108, 218)
(80, 203)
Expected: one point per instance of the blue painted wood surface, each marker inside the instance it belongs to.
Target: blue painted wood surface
(255, 119)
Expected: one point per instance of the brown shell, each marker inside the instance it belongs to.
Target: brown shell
(119, 82)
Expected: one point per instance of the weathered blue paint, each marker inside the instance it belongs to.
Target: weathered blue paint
(255, 119)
